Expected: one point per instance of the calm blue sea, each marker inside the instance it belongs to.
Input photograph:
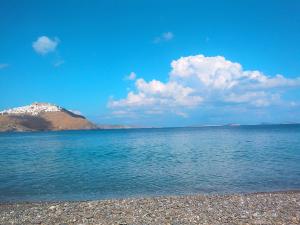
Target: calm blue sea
(81, 165)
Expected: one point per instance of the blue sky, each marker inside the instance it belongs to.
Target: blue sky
(190, 62)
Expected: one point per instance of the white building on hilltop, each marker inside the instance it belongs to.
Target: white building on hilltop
(33, 109)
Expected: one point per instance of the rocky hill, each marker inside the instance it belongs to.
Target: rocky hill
(42, 117)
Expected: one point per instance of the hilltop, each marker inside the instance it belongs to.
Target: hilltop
(42, 117)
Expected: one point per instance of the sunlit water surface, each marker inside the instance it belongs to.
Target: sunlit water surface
(81, 165)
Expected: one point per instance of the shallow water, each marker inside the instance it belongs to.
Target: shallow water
(81, 165)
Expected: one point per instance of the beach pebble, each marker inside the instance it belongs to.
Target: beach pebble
(258, 208)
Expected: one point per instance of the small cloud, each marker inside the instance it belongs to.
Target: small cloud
(131, 76)
(58, 63)
(182, 114)
(120, 112)
(167, 36)
(293, 104)
(3, 65)
(44, 45)
(154, 112)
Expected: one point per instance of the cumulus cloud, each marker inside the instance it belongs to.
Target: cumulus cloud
(221, 80)
(131, 76)
(3, 65)
(167, 36)
(44, 45)
(200, 80)
(258, 99)
(221, 74)
(156, 97)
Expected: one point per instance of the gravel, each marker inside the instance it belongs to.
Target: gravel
(256, 208)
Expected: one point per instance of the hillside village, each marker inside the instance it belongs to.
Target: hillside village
(32, 109)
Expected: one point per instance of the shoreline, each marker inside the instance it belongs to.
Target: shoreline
(280, 207)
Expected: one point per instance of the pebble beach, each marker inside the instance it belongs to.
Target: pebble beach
(255, 208)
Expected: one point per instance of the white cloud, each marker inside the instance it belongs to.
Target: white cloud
(3, 65)
(167, 36)
(44, 45)
(220, 74)
(157, 96)
(279, 81)
(258, 99)
(131, 76)
(200, 80)
(182, 114)
(120, 112)
(215, 72)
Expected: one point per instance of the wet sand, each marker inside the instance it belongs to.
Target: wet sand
(255, 208)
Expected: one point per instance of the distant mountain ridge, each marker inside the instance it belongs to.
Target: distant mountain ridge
(42, 117)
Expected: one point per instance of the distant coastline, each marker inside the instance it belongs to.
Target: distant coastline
(129, 127)
(43, 116)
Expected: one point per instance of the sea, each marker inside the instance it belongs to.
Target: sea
(129, 163)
